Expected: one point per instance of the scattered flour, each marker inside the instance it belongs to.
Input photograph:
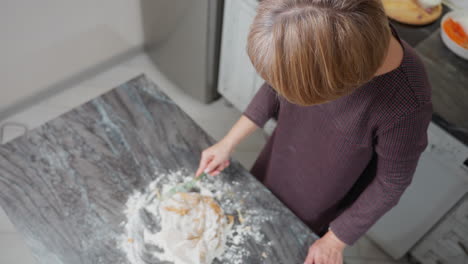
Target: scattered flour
(193, 228)
(189, 228)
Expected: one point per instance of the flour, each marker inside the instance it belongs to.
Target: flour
(190, 228)
(193, 228)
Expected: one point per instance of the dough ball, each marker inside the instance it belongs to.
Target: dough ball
(194, 228)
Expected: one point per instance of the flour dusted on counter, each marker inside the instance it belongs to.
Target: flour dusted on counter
(189, 228)
(193, 228)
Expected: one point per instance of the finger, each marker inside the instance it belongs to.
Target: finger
(322, 259)
(223, 166)
(338, 259)
(310, 257)
(217, 166)
(332, 258)
(309, 260)
(212, 166)
(316, 260)
(204, 161)
(201, 165)
(216, 171)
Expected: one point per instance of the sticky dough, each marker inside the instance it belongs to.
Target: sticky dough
(194, 228)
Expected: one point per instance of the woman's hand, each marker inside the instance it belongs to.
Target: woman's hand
(326, 250)
(215, 159)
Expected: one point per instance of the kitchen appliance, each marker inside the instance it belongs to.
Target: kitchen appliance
(183, 38)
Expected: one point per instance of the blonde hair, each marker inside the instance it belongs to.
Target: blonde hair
(314, 51)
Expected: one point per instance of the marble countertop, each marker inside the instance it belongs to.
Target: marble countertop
(448, 75)
(65, 184)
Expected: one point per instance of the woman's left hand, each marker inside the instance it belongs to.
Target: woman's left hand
(326, 250)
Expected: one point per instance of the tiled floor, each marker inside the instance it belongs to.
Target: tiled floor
(216, 118)
(366, 252)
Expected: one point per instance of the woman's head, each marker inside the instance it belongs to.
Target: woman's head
(314, 51)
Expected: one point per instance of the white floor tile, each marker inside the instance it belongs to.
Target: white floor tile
(5, 223)
(247, 159)
(143, 64)
(352, 251)
(93, 87)
(366, 252)
(365, 261)
(30, 118)
(253, 143)
(11, 130)
(13, 250)
(369, 249)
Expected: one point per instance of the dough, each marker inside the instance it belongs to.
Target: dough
(194, 228)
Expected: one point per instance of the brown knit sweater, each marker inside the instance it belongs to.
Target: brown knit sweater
(345, 163)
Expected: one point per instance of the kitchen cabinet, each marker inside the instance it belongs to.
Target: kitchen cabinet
(238, 80)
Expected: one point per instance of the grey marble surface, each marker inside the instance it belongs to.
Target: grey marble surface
(65, 184)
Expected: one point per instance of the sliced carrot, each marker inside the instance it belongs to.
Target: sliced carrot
(455, 32)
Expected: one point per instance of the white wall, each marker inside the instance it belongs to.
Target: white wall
(48, 42)
(28, 26)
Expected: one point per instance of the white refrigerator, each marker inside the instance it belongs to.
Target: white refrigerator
(182, 38)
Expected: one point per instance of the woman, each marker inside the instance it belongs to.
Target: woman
(352, 103)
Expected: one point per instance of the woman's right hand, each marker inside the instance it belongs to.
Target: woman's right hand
(214, 159)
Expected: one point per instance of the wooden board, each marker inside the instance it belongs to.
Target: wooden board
(65, 185)
(409, 12)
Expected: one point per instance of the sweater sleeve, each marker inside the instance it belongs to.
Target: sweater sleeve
(263, 106)
(398, 149)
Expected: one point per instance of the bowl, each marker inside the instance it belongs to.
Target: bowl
(452, 45)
